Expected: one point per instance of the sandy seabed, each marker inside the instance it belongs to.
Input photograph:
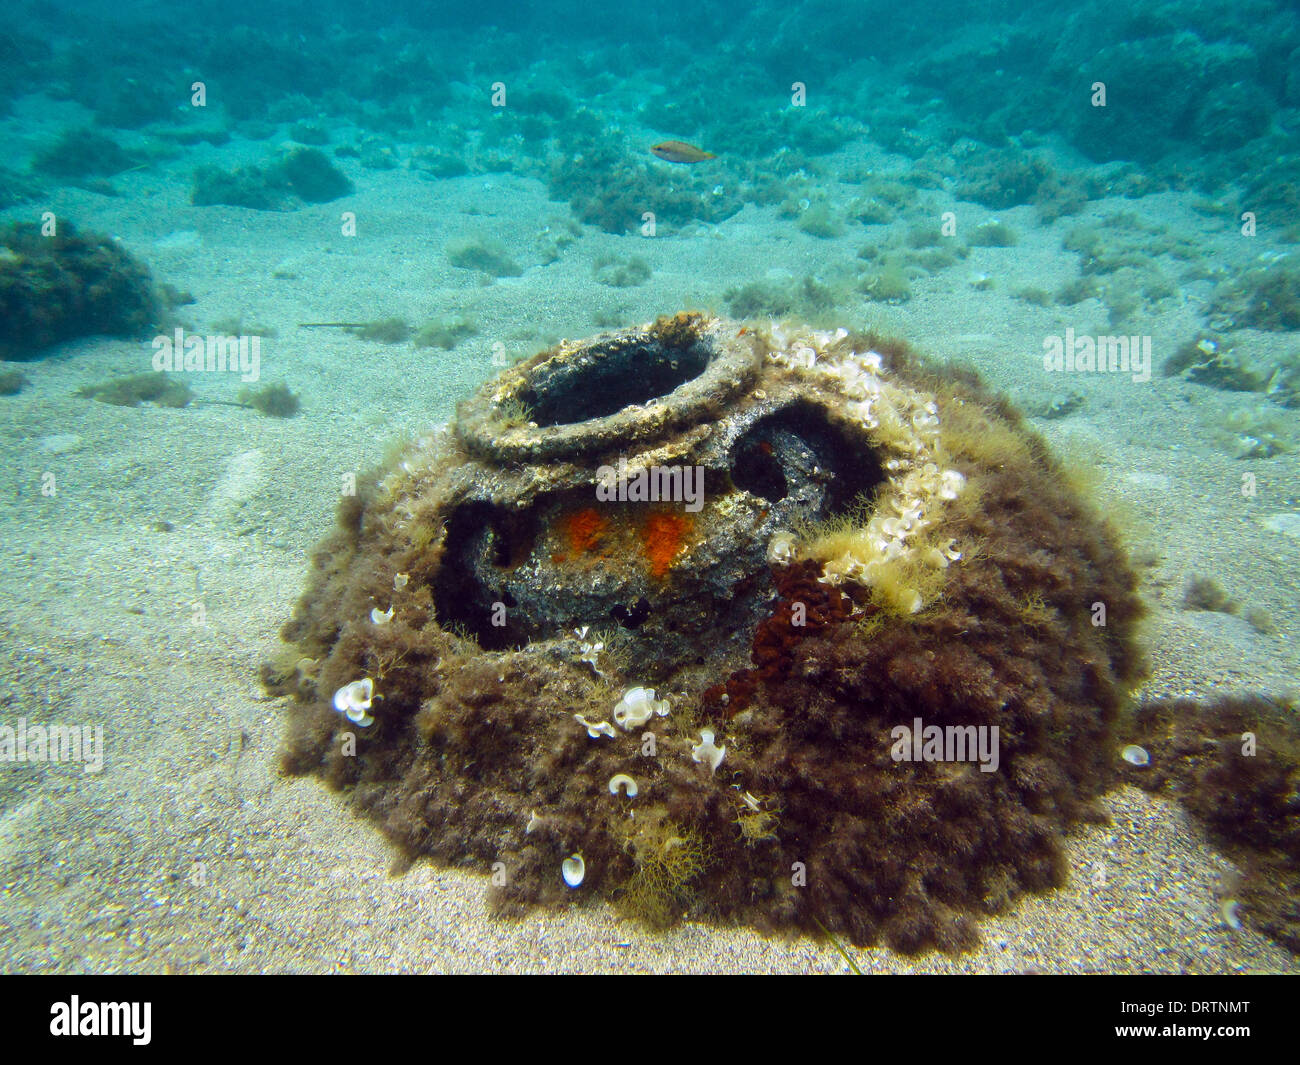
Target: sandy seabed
(189, 852)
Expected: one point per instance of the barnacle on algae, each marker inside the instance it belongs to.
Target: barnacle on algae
(807, 540)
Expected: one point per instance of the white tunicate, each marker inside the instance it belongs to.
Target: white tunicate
(1135, 755)
(573, 869)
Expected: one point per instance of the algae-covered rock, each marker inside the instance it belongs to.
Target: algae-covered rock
(611, 185)
(83, 153)
(1158, 88)
(260, 188)
(313, 177)
(66, 285)
(302, 175)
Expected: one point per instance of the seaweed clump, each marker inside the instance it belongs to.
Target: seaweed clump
(445, 332)
(155, 387)
(385, 330)
(67, 285)
(621, 273)
(1003, 177)
(83, 153)
(312, 177)
(1205, 593)
(1267, 297)
(1209, 360)
(274, 400)
(668, 861)
(12, 382)
(302, 175)
(484, 254)
(1235, 764)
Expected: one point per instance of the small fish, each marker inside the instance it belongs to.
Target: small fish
(681, 152)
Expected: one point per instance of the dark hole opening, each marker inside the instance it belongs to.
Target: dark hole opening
(631, 619)
(755, 468)
(605, 378)
(779, 452)
(481, 539)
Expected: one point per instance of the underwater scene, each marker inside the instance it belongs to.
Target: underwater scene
(677, 488)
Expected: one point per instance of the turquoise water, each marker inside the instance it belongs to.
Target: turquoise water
(325, 225)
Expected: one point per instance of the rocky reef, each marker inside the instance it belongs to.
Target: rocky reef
(803, 541)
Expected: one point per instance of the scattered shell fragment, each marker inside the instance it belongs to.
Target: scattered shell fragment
(1229, 910)
(590, 652)
(707, 752)
(573, 868)
(378, 617)
(780, 549)
(637, 706)
(1135, 755)
(595, 729)
(399, 581)
(354, 699)
(624, 782)
(936, 558)
(533, 822)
